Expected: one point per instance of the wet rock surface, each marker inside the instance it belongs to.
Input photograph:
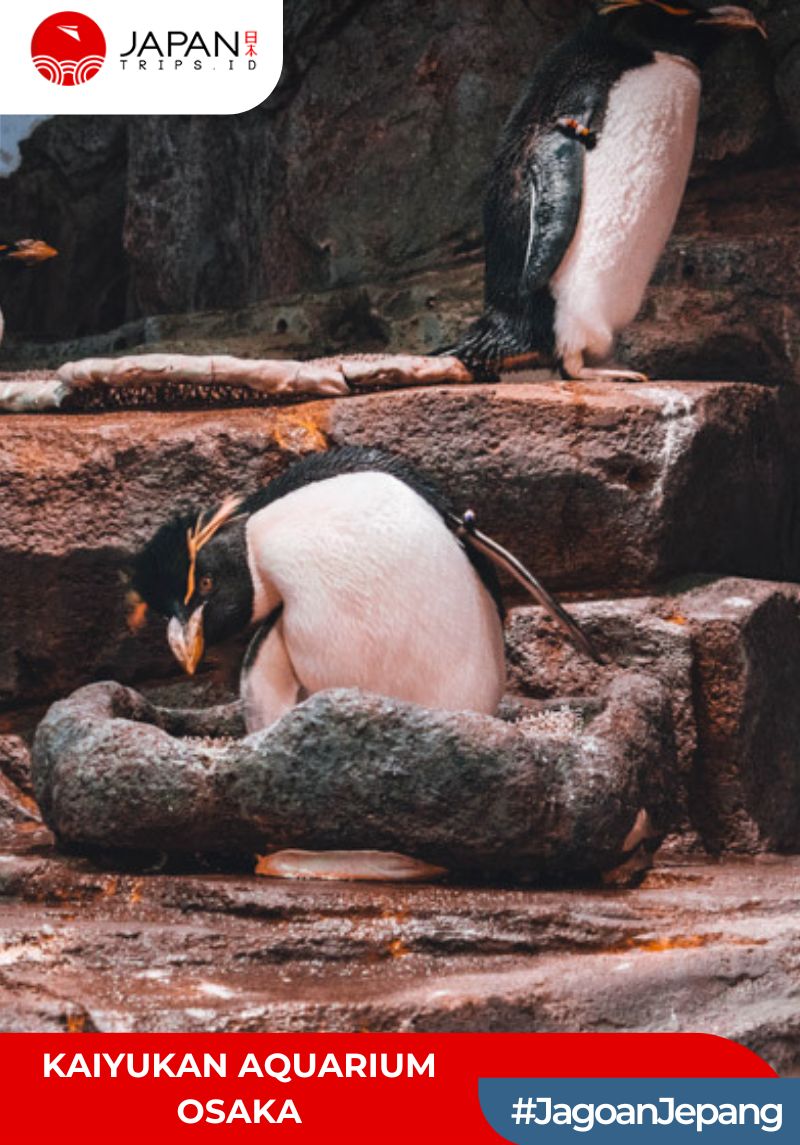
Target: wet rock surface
(698, 946)
(544, 798)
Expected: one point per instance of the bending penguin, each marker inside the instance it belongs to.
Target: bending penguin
(24, 252)
(587, 184)
(353, 572)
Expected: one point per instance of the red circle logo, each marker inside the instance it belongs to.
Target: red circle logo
(68, 49)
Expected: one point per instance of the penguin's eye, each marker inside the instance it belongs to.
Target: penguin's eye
(206, 586)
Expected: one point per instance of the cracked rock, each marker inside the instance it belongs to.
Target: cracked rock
(15, 762)
(728, 653)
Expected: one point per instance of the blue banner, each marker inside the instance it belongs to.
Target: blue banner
(613, 1111)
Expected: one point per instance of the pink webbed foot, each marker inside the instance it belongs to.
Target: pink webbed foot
(574, 370)
(348, 866)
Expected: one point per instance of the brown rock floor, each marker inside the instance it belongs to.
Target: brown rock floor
(700, 946)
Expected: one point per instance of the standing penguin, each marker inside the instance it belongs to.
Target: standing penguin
(353, 572)
(587, 184)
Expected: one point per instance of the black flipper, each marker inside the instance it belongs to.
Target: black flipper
(472, 537)
(527, 235)
(535, 193)
(530, 218)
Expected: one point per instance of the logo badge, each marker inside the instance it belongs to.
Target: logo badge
(68, 49)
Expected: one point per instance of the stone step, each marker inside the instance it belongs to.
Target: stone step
(596, 486)
(728, 654)
(723, 302)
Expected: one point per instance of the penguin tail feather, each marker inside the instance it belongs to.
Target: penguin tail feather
(491, 341)
(466, 529)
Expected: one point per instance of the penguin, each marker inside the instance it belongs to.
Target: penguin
(24, 252)
(587, 183)
(351, 570)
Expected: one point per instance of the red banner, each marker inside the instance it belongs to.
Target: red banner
(338, 1089)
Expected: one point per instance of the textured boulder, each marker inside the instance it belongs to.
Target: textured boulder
(348, 771)
(728, 653)
(368, 165)
(745, 791)
(640, 634)
(595, 487)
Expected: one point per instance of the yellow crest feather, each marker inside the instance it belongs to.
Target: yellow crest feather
(201, 534)
(618, 5)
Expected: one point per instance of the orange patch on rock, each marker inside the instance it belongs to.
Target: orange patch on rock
(679, 942)
(299, 431)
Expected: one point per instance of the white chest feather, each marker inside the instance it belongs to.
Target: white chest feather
(378, 594)
(633, 186)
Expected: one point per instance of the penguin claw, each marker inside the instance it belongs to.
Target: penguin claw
(613, 375)
(573, 370)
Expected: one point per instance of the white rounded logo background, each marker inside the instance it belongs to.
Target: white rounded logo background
(97, 86)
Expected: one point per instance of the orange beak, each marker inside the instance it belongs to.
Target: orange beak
(29, 251)
(187, 641)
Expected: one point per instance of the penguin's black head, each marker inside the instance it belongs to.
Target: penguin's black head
(195, 573)
(688, 27)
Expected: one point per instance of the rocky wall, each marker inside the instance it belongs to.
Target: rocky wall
(368, 165)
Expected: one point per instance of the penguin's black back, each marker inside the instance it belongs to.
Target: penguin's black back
(536, 184)
(356, 459)
(575, 75)
(348, 459)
